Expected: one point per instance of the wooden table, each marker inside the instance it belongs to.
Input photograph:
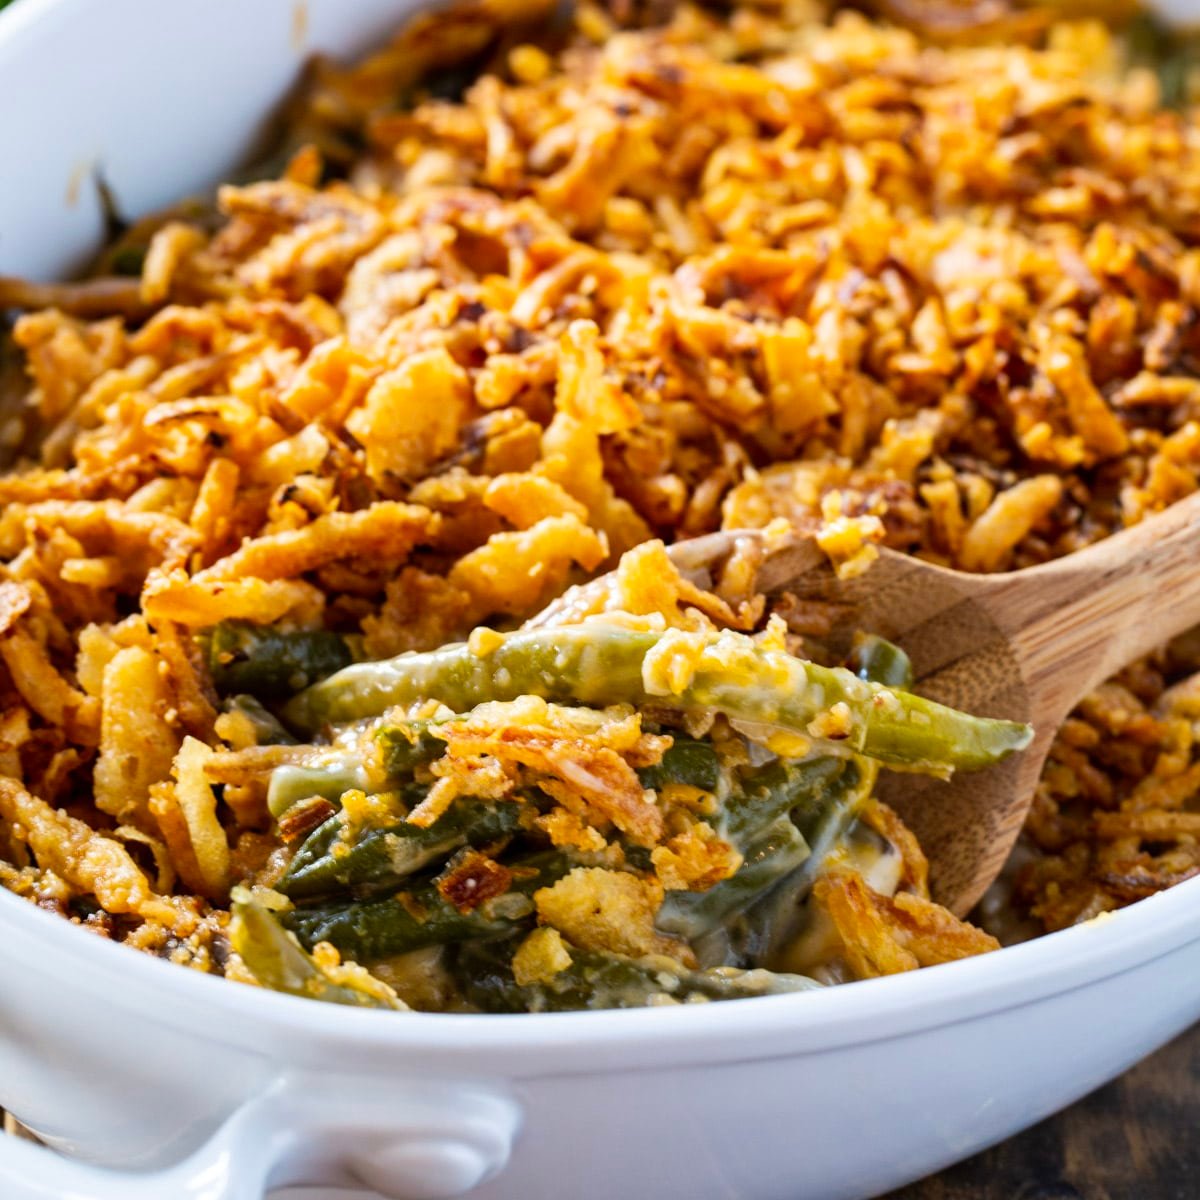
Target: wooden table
(1136, 1139)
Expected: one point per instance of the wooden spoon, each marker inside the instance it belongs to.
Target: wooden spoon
(1026, 645)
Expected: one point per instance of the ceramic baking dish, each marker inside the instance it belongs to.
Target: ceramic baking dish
(162, 1083)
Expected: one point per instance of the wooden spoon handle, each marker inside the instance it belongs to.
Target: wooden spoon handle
(1074, 622)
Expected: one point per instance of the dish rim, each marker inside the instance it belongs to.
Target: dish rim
(857, 1013)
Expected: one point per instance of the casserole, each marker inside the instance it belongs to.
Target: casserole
(479, 1079)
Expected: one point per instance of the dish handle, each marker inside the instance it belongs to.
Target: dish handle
(405, 1140)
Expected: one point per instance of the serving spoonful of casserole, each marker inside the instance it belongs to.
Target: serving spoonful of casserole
(651, 792)
(659, 777)
(1025, 645)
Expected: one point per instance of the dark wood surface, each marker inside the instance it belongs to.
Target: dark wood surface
(1136, 1139)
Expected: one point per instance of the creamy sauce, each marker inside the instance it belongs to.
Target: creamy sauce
(816, 950)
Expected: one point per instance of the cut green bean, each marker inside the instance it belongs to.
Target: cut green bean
(687, 761)
(761, 819)
(595, 980)
(598, 664)
(267, 729)
(823, 823)
(127, 260)
(332, 777)
(275, 958)
(757, 932)
(880, 661)
(1170, 53)
(369, 930)
(760, 796)
(271, 663)
(408, 746)
(773, 857)
(333, 772)
(385, 857)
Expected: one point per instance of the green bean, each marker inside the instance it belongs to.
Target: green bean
(739, 983)
(384, 857)
(274, 957)
(337, 772)
(271, 663)
(772, 920)
(267, 729)
(822, 824)
(750, 798)
(760, 819)
(408, 746)
(774, 856)
(595, 980)
(334, 772)
(760, 796)
(128, 260)
(880, 661)
(1169, 53)
(368, 930)
(598, 664)
(687, 761)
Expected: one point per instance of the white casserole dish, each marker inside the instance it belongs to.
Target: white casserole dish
(163, 1083)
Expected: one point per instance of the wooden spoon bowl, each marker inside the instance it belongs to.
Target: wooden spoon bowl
(1026, 645)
